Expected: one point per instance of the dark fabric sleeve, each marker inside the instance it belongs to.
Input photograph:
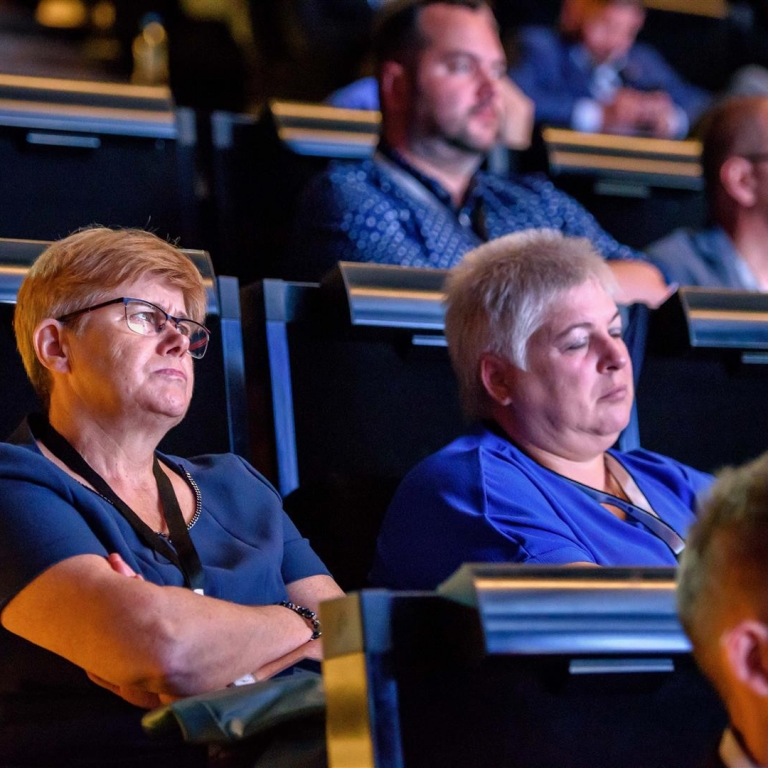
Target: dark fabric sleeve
(361, 94)
(579, 222)
(299, 559)
(344, 215)
(676, 257)
(540, 75)
(40, 524)
(656, 74)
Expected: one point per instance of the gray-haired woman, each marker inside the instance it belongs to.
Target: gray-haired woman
(536, 342)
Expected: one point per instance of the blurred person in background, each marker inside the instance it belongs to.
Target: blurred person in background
(731, 251)
(592, 75)
(423, 199)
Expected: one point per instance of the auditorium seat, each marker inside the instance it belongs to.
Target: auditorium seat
(76, 153)
(349, 386)
(517, 666)
(701, 393)
(341, 516)
(639, 189)
(260, 164)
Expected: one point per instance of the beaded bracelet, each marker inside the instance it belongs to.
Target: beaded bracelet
(307, 614)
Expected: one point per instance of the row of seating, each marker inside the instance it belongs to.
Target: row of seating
(335, 390)
(518, 666)
(354, 378)
(504, 667)
(76, 152)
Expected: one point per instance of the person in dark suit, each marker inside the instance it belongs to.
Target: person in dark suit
(592, 75)
(723, 605)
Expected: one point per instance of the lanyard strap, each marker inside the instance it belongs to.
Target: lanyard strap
(416, 190)
(182, 554)
(653, 523)
(649, 519)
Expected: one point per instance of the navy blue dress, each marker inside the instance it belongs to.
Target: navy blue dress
(248, 547)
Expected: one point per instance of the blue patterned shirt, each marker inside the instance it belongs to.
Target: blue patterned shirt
(361, 211)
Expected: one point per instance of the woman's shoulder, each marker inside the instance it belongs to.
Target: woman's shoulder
(477, 457)
(225, 472)
(21, 459)
(664, 468)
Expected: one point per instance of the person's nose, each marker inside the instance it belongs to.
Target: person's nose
(172, 340)
(615, 354)
(488, 86)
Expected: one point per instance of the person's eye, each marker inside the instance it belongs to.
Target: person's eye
(616, 333)
(576, 344)
(148, 318)
(461, 65)
(143, 316)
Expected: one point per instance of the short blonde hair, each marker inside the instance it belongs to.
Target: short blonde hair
(498, 295)
(85, 268)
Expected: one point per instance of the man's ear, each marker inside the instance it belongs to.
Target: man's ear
(496, 375)
(394, 87)
(49, 346)
(746, 651)
(738, 179)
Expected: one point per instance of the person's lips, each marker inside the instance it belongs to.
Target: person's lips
(172, 373)
(615, 394)
(486, 112)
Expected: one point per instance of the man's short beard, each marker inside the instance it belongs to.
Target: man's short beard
(459, 142)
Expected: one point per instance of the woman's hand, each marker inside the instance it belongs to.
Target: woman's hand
(310, 650)
(119, 565)
(133, 695)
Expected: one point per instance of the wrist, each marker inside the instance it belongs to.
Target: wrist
(309, 616)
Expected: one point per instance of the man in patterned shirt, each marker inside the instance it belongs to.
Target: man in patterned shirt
(422, 200)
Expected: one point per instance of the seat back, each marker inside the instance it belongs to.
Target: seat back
(260, 166)
(77, 153)
(701, 394)
(639, 189)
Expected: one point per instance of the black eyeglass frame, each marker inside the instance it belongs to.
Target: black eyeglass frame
(177, 321)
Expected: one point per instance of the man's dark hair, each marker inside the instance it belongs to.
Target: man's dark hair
(397, 35)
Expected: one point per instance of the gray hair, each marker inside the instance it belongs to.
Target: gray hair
(725, 562)
(499, 295)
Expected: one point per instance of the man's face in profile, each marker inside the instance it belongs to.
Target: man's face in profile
(456, 89)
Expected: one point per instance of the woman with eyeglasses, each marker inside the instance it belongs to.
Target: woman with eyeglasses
(130, 578)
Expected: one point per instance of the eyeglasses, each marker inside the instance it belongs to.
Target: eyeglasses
(147, 319)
